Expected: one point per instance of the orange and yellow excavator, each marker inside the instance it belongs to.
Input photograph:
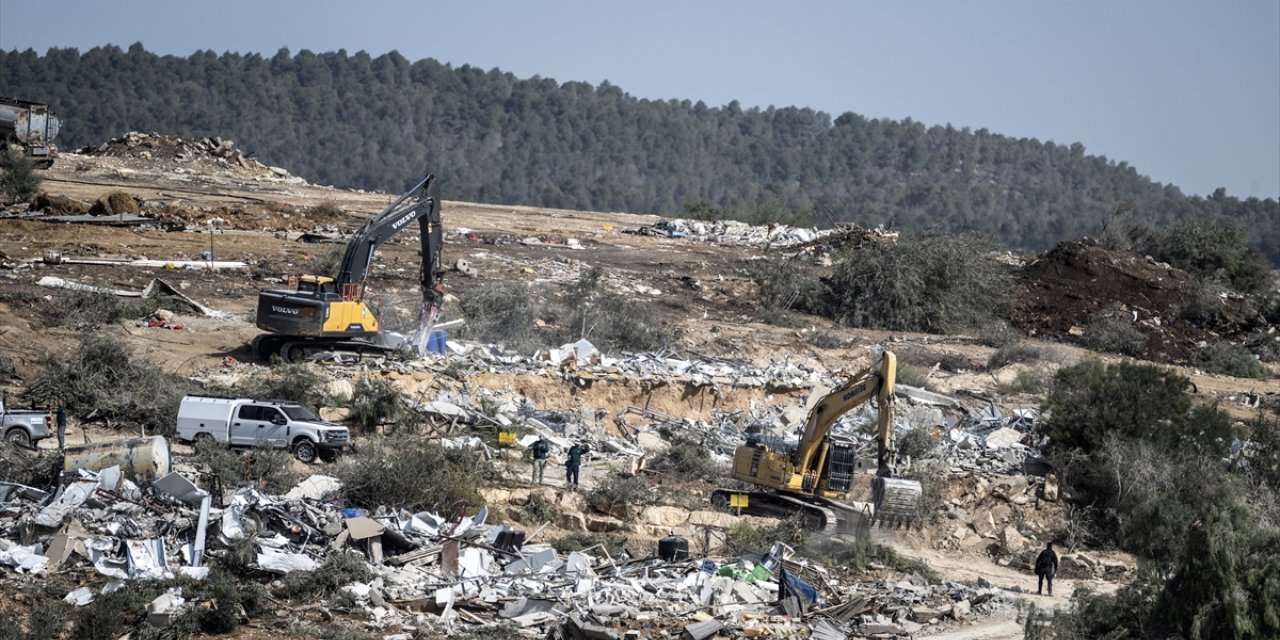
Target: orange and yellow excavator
(817, 477)
(324, 314)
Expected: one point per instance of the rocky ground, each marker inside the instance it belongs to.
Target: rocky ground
(181, 202)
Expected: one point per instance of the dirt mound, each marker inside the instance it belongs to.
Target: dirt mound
(208, 152)
(59, 205)
(1062, 291)
(115, 203)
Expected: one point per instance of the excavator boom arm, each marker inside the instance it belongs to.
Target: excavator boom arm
(858, 389)
(415, 204)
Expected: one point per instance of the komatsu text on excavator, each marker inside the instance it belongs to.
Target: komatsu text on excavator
(324, 314)
(816, 478)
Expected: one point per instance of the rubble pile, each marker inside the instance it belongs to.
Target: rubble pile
(442, 573)
(213, 152)
(778, 236)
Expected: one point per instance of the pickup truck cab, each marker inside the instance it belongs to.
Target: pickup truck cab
(25, 428)
(243, 422)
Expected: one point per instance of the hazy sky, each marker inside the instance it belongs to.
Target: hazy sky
(1188, 93)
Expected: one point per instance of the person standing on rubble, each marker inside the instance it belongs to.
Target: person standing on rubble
(62, 425)
(540, 450)
(573, 463)
(1046, 566)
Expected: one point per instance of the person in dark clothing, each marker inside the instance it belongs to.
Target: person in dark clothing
(573, 463)
(62, 425)
(1046, 566)
(540, 450)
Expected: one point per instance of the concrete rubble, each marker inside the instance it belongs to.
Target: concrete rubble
(780, 236)
(447, 573)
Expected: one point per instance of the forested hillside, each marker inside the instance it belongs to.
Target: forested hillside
(359, 121)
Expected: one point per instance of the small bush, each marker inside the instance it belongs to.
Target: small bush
(1018, 352)
(859, 556)
(114, 614)
(687, 460)
(933, 283)
(825, 340)
(376, 402)
(1214, 251)
(744, 537)
(1113, 332)
(19, 180)
(946, 360)
(618, 491)
(917, 444)
(539, 508)
(104, 381)
(90, 309)
(998, 334)
(8, 368)
(1230, 359)
(414, 474)
(500, 313)
(325, 264)
(299, 382)
(579, 540)
(610, 320)
(1032, 381)
(1204, 307)
(931, 474)
(264, 466)
(338, 571)
(786, 285)
(47, 619)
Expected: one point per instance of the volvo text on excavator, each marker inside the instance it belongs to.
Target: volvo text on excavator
(324, 314)
(817, 477)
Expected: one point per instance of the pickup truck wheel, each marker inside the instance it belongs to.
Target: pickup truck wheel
(18, 437)
(305, 450)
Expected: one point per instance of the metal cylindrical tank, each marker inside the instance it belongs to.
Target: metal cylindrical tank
(138, 458)
(673, 549)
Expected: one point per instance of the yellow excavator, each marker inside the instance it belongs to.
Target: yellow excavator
(817, 477)
(320, 314)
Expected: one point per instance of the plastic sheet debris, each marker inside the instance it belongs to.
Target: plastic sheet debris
(283, 562)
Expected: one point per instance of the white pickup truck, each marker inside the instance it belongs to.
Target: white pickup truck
(25, 428)
(279, 424)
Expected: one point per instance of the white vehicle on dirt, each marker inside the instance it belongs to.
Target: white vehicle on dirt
(243, 422)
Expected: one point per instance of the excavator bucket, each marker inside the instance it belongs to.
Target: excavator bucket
(895, 500)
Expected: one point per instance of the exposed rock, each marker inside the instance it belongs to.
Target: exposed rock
(662, 516)
(960, 610)
(1049, 491)
(1012, 541)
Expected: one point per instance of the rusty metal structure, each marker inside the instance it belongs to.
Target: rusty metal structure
(30, 126)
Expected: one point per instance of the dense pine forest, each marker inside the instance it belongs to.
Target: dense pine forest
(376, 123)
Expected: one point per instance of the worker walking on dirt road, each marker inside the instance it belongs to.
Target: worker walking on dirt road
(1046, 566)
(574, 462)
(540, 450)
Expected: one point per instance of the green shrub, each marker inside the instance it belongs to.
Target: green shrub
(263, 466)
(1214, 251)
(931, 474)
(112, 615)
(376, 402)
(933, 283)
(1230, 359)
(338, 571)
(500, 313)
(744, 537)
(8, 368)
(687, 460)
(1091, 400)
(19, 180)
(998, 334)
(414, 474)
(47, 619)
(1112, 331)
(579, 540)
(1032, 381)
(916, 444)
(326, 264)
(786, 284)
(539, 508)
(90, 309)
(1018, 352)
(103, 381)
(610, 320)
(825, 340)
(299, 382)
(618, 491)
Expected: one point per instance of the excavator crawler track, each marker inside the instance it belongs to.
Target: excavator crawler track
(826, 517)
